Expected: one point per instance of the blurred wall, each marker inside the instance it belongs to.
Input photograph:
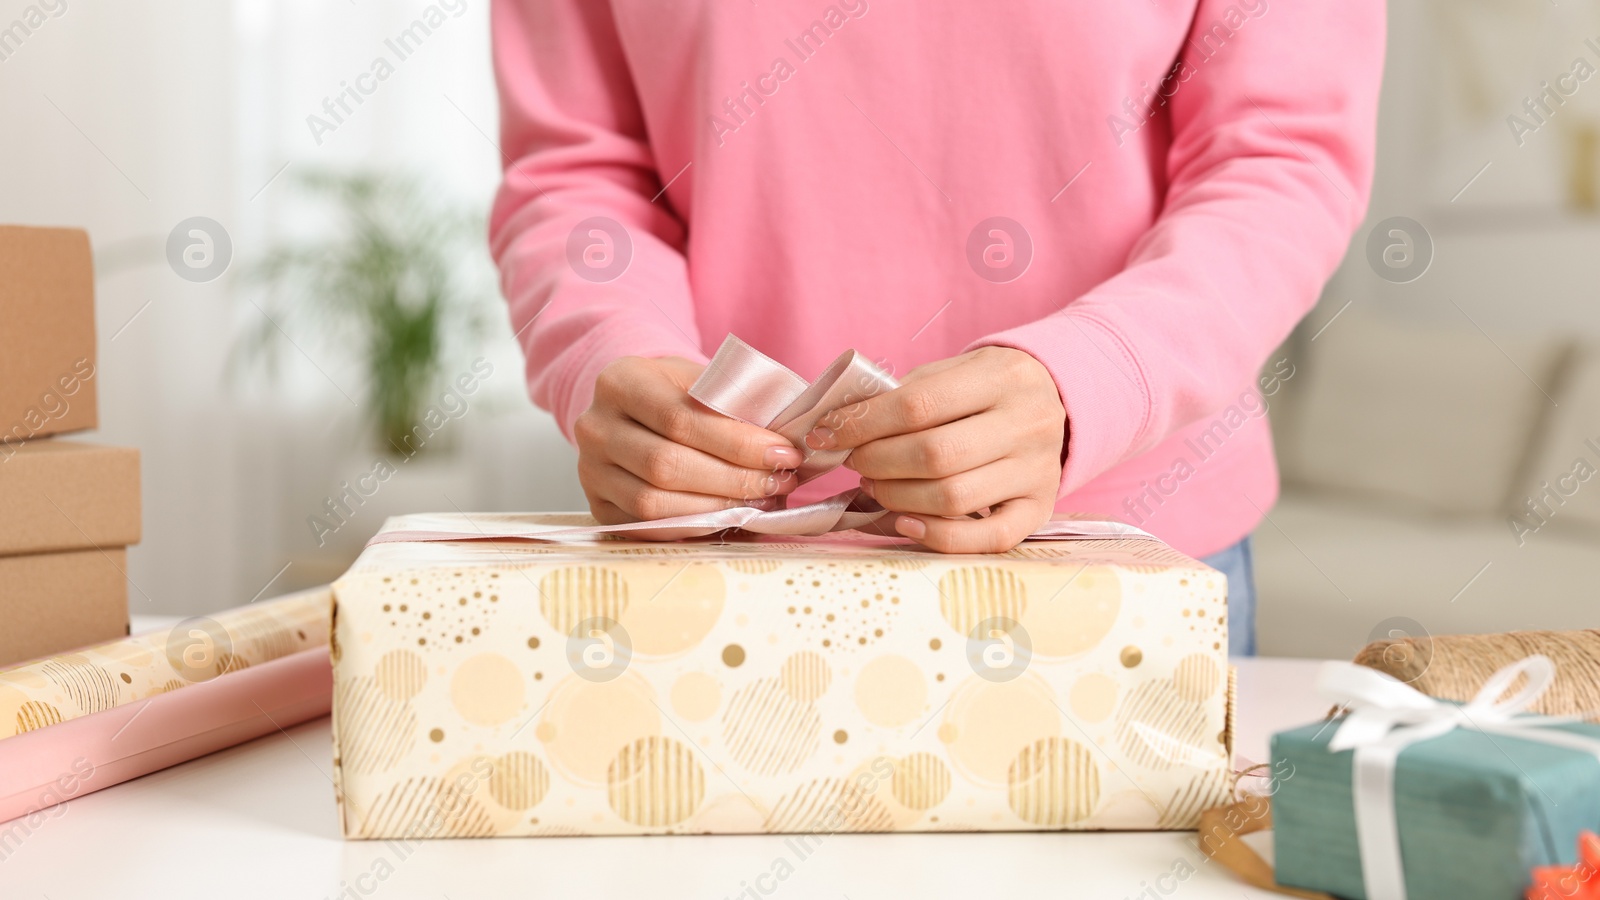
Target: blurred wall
(1430, 402)
(1513, 246)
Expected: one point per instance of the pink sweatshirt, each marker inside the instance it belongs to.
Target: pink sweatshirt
(1145, 195)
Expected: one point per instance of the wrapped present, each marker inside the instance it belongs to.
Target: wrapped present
(845, 682)
(1405, 796)
(79, 722)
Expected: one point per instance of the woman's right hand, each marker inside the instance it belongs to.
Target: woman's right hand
(647, 450)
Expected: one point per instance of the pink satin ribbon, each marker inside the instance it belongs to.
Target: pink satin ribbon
(743, 383)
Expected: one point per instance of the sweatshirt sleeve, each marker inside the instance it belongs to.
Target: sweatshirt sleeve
(580, 202)
(1268, 172)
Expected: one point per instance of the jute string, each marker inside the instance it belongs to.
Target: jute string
(1454, 667)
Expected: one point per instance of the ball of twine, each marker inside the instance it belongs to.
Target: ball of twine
(1455, 667)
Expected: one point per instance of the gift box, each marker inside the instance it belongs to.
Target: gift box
(847, 682)
(1466, 812)
(79, 722)
(47, 329)
(70, 509)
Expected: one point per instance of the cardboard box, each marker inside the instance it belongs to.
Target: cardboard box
(67, 495)
(47, 367)
(804, 685)
(52, 602)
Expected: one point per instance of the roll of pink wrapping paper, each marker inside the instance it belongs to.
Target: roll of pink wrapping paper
(80, 722)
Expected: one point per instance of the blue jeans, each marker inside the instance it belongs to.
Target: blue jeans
(1236, 563)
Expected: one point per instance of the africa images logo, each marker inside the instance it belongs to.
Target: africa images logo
(999, 649)
(200, 649)
(199, 249)
(1399, 250)
(599, 649)
(599, 249)
(999, 249)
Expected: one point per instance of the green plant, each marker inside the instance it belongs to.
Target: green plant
(394, 274)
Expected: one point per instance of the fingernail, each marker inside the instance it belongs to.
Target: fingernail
(782, 458)
(769, 486)
(911, 528)
(820, 438)
(867, 486)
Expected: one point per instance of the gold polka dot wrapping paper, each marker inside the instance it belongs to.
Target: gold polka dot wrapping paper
(82, 721)
(844, 683)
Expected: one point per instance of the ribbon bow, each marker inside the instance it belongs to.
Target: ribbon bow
(1387, 715)
(743, 383)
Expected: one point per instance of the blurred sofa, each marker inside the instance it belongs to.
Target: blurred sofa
(1437, 479)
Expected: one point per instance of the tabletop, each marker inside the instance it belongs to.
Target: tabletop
(259, 820)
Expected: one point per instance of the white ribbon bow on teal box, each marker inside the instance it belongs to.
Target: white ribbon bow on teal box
(1406, 797)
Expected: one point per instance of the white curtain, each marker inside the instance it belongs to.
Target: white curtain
(125, 119)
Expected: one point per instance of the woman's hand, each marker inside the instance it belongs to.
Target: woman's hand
(647, 450)
(984, 429)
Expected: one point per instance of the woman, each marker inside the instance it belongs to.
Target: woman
(1086, 226)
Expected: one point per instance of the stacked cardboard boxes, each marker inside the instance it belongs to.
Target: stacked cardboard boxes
(68, 509)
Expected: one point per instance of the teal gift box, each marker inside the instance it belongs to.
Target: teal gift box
(1475, 812)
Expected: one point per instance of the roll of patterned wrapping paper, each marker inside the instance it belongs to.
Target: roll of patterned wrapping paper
(79, 722)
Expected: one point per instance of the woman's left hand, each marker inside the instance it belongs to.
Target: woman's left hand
(980, 430)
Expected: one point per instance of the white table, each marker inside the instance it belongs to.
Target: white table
(258, 821)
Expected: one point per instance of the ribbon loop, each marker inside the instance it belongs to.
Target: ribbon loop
(1487, 703)
(743, 383)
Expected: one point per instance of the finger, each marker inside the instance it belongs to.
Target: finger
(939, 452)
(932, 368)
(683, 420)
(607, 513)
(917, 406)
(957, 495)
(640, 501)
(1011, 522)
(675, 467)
